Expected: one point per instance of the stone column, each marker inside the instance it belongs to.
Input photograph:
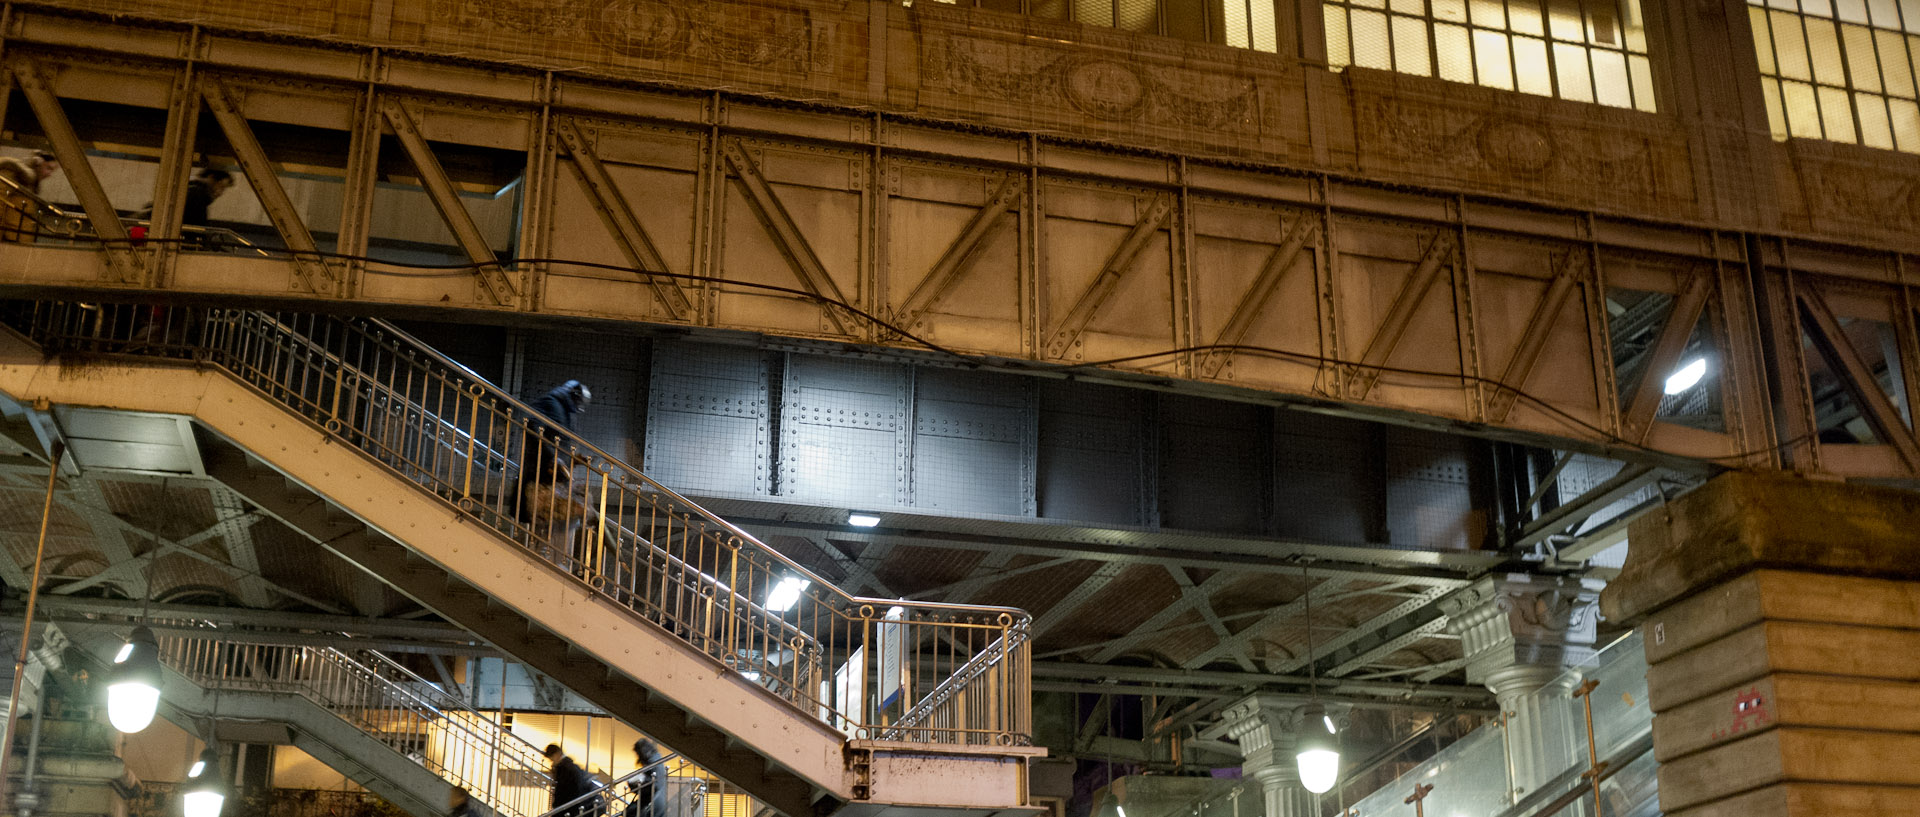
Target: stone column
(1265, 726)
(1519, 634)
(1782, 625)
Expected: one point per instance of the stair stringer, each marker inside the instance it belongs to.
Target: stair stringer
(713, 716)
(340, 745)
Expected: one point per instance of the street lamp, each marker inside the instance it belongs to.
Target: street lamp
(133, 691)
(206, 789)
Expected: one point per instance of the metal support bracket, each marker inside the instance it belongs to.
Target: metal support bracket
(1830, 338)
(1303, 231)
(960, 253)
(620, 219)
(1667, 348)
(447, 200)
(785, 233)
(1108, 280)
(73, 158)
(1400, 315)
(315, 274)
(1539, 327)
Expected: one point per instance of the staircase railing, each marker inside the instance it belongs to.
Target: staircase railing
(462, 745)
(877, 669)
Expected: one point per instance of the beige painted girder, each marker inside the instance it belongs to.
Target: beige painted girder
(447, 200)
(1665, 352)
(1412, 292)
(1830, 338)
(955, 259)
(1254, 302)
(1088, 305)
(786, 234)
(79, 170)
(1527, 352)
(314, 272)
(618, 215)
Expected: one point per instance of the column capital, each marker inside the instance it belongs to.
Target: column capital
(1265, 726)
(1520, 620)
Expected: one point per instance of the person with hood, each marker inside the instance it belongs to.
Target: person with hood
(649, 798)
(547, 502)
(571, 783)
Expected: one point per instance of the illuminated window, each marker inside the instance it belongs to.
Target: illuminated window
(1582, 50)
(1239, 23)
(1840, 69)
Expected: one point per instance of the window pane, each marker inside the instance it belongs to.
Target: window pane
(1910, 15)
(1455, 52)
(1852, 11)
(1803, 114)
(1789, 46)
(1636, 33)
(1416, 8)
(1233, 15)
(1861, 63)
(1491, 59)
(1642, 82)
(1906, 125)
(1836, 115)
(1884, 13)
(1050, 9)
(1602, 26)
(1815, 8)
(1140, 15)
(1456, 10)
(1094, 12)
(1410, 47)
(1610, 78)
(1336, 17)
(1762, 39)
(1776, 117)
(1370, 40)
(1876, 130)
(1893, 63)
(1570, 68)
(1186, 19)
(1530, 66)
(1823, 46)
(1488, 13)
(1523, 16)
(1565, 20)
(1265, 36)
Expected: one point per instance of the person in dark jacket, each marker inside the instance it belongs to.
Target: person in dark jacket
(570, 783)
(648, 799)
(202, 189)
(543, 499)
(460, 803)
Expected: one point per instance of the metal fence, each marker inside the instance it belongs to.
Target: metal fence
(875, 668)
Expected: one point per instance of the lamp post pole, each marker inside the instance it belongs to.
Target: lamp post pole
(26, 628)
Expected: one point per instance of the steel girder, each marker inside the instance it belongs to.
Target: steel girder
(851, 227)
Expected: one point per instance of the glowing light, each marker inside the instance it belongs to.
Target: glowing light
(131, 704)
(1687, 376)
(786, 594)
(862, 520)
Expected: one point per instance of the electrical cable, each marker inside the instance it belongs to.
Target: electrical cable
(976, 361)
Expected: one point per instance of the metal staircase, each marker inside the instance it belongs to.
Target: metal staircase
(385, 701)
(663, 614)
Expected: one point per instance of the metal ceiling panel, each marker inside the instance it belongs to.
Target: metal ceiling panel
(100, 439)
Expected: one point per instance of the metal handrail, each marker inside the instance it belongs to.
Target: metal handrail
(455, 741)
(63, 223)
(963, 672)
(615, 797)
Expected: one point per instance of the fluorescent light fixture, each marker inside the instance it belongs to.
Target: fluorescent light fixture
(125, 650)
(198, 767)
(862, 520)
(1329, 721)
(786, 594)
(1120, 809)
(1687, 376)
(205, 793)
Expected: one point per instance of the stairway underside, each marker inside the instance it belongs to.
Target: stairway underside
(424, 547)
